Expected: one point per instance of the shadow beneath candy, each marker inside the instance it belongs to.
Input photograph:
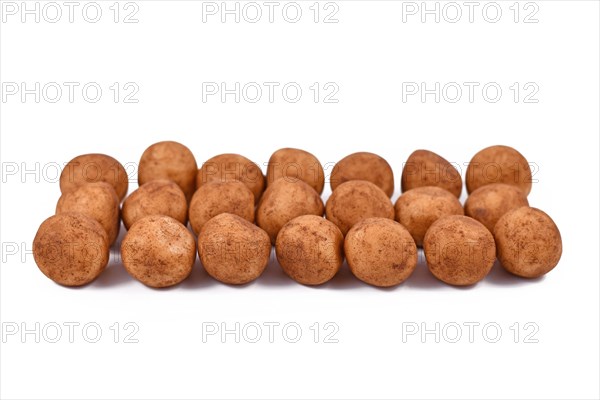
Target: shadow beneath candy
(115, 273)
(275, 277)
(273, 274)
(422, 278)
(344, 279)
(122, 232)
(500, 277)
(198, 279)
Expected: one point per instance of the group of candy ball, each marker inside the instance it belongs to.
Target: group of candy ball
(237, 215)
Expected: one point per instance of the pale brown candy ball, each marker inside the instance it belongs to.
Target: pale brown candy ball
(528, 241)
(418, 208)
(294, 164)
(216, 198)
(459, 250)
(310, 249)
(364, 166)
(499, 164)
(71, 249)
(169, 160)
(490, 202)
(233, 250)
(159, 197)
(89, 168)
(232, 167)
(426, 168)
(354, 201)
(380, 252)
(158, 251)
(283, 201)
(96, 200)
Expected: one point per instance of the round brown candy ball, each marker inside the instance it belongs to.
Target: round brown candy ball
(217, 198)
(459, 250)
(232, 167)
(158, 251)
(283, 201)
(310, 249)
(89, 168)
(158, 197)
(71, 249)
(294, 164)
(96, 200)
(418, 208)
(490, 202)
(528, 241)
(426, 168)
(499, 164)
(169, 160)
(353, 201)
(233, 250)
(365, 167)
(380, 252)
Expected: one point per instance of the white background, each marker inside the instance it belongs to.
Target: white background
(369, 53)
